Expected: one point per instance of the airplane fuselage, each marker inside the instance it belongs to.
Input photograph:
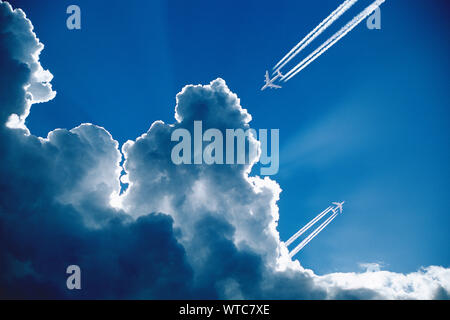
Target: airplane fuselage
(270, 82)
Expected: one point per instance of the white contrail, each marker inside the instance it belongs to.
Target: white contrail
(331, 41)
(315, 33)
(312, 235)
(319, 229)
(307, 226)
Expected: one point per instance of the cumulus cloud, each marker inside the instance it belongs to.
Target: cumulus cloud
(430, 282)
(20, 51)
(178, 231)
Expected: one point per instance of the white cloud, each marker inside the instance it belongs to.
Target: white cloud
(423, 284)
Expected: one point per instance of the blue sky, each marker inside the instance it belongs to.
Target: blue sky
(368, 122)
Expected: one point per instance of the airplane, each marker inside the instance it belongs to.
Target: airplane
(269, 82)
(338, 206)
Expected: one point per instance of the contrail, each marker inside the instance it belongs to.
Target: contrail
(315, 33)
(319, 229)
(312, 235)
(331, 41)
(307, 226)
(343, 5)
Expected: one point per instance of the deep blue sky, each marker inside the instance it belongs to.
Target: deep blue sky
(367, 122)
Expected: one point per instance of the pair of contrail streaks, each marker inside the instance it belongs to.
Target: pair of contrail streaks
(336, 210)
(336, 14)
(332, 40)
(314, 33)
(313, 235)
(307, 226)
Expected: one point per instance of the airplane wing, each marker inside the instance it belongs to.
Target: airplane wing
(267, 76)
(274, 86)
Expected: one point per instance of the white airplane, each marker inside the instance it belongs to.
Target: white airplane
(338, 206)
(269, 82)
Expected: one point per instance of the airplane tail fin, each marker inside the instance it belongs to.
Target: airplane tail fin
(280, 74)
